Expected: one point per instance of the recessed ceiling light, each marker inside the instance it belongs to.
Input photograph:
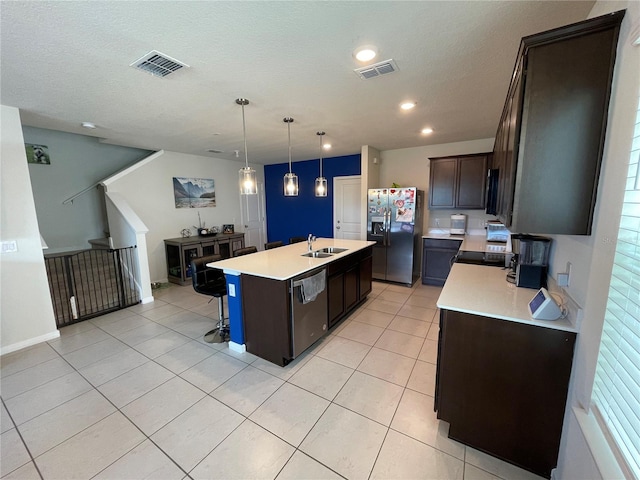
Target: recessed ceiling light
(407, 105)
(427, 131)
(88, 125)
(327, 146)
(365, 53)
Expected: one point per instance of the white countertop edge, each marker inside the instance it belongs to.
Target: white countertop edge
(286, 262)
(560, 324)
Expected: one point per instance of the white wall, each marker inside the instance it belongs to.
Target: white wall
(409, 167)
(592, 256)
(369, 178)
(77, 162)
(148, 189)
(26, 312)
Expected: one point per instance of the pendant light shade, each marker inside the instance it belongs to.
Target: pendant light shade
(290, 179)
(321, 182)
(247, 175)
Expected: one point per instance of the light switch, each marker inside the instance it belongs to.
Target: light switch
(232, 289)
(10, 246)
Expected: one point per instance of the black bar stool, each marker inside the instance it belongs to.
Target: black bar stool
(211, 281)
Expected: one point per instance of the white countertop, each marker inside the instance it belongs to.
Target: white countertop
(483, 290)
(470, 243)
(286, 262)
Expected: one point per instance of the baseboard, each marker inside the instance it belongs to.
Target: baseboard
(28, 343)
(147, 300)
(237, 347)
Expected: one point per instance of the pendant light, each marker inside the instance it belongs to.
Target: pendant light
(290, 179)
(247, 175)
(321, 182)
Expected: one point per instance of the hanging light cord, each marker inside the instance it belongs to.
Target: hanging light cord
(289, 120)
(321, 145)
(244, 133)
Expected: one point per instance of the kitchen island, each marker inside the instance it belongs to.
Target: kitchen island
(502, 377)
(268, 316)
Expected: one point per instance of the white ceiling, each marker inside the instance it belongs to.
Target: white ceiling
(63, 63)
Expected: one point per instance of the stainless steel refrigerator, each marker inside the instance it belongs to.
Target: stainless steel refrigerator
(394, 222)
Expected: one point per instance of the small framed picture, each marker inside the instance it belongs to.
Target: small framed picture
(38, 154)
(227, 228)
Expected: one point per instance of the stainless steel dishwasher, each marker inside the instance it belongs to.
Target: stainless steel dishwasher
(308, 320)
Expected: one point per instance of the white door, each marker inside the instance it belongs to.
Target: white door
(347, 203)
(253, 218)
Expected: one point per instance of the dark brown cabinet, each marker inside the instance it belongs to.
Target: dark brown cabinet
(437, 257)
(266, 304)
(502, 386)
(349, 281)
(458, 182)
(180, 251)
(550, 139)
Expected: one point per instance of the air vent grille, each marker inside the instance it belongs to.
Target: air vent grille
(158, 64)
(377, 69)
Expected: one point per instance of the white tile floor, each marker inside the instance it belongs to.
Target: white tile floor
(138, 394)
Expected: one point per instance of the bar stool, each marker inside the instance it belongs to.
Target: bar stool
(297, 239)
(245, 251)
(274, 244)
(211, 281)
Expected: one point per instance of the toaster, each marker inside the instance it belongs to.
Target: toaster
(497, 232)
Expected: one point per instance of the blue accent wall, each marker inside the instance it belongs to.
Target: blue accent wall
(299, 216)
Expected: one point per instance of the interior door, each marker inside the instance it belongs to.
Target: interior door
(347, 205)
(253, 218)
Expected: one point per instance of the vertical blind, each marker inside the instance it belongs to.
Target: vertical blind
(616, 392)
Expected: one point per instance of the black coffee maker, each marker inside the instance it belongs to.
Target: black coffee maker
(530, 261)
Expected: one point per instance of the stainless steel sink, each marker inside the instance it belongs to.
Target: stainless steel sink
(316, 254)
(333, 250)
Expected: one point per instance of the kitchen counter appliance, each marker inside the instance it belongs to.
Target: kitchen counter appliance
(530, 260)
(497, 232)
(458, 224)
(394, 222)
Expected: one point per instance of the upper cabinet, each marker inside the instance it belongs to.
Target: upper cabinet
(458, 182)
(550, 139)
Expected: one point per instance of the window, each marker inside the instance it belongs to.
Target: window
(616, 392)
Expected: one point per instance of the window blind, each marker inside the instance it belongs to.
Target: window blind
(616, 392)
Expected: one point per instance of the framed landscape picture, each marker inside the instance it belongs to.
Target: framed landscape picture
(194, 192)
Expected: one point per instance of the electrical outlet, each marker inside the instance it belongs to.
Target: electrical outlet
(563, 280)
(437, 222)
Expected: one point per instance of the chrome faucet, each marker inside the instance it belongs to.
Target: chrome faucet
(310, 239)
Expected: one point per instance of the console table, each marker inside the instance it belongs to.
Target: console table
(180, 251)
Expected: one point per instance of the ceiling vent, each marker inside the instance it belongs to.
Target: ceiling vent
(377, 69)
(158, 64)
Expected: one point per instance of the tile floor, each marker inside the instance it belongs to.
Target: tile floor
(138, 394)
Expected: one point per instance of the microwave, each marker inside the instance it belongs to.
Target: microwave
(497, 232)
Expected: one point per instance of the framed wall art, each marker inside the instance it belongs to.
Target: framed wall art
(38, 154)
(194, 192)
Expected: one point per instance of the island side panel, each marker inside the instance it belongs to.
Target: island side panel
(267, 318)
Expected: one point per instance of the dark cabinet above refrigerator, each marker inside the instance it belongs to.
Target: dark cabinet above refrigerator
(550, 139)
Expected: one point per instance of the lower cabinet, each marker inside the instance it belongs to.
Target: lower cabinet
(349, 281)
(502, 386)
(437, 257)
(266, 304)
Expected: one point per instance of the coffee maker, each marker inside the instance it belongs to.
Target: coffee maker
(530, 261)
